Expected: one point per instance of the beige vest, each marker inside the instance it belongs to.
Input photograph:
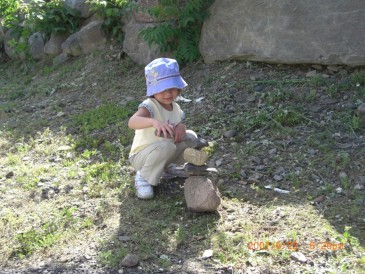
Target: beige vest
(146, 136)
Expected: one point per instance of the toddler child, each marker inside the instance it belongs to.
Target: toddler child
(160, 134)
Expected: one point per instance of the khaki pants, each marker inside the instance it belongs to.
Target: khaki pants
(152, 160)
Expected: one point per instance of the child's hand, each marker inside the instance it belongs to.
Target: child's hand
(163, 129)
(180, 132)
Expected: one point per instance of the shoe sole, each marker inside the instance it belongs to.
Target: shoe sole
(145, 198)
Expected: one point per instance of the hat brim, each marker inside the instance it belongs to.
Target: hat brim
(167, 83)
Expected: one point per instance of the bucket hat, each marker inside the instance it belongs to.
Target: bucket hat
(162, 74)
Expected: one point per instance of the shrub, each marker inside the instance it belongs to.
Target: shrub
(112, 12)
(53, 17)
(47, 17)
(179, 32)
(9, 15)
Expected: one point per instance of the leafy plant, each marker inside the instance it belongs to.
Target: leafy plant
(33, 239)
(113, 257)
(347, 237)
(9, 15)
(112, 12)
(47, 17)
(54, 17)
(179, 32)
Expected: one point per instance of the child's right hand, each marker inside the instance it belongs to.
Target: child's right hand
(163, 129)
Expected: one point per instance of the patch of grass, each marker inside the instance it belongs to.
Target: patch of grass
(254, 120)
(113, 257)
(294, 179)
(288, 117)
(38, 238)
(358, 78)
(309, 97)
(350, 121)
(317, 81)
(101, 117)
(276, 96)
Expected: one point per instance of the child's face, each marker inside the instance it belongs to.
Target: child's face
(167, 96)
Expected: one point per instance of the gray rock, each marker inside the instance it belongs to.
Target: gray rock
(278, 178)
(1, 36)
(230, 133)
(298, 256)
(9, 174)
(251, 30)
(60, 59)
(36, 44)
(53, 46)
(10, 37)
(311, 73)
(130, 260)
(135, 46)
(86, 40)
(361, 113)
(81, 5)
(201, 194)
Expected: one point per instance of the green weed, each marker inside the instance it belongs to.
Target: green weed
(296, 182)
(180, 29)
(317, 81)
(311, 96)
(346, 237)
(277, 96)
(288, 117)
(44, 236)
(345, 182)
(358, 78)
(100, 117)
(164, 261)
(181, 235)
(112, 258)
(35, 239)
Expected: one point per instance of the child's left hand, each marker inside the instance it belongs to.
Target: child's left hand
(180, 131)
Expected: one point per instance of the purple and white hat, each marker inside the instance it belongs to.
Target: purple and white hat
(162, 74)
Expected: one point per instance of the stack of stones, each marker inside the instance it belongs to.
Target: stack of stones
(201, 194)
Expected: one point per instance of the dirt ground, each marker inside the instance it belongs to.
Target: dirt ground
(289, 149)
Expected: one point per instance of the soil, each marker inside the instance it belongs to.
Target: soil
(275, 128)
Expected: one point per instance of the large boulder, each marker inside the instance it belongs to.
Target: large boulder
(12, 39)
(1, 36)
(201, 195)
(80, 5)
(135, 46)
(285, 31)
(361, 113)
(86, 40)
(1, 41)
(36, 44)
(53, 46)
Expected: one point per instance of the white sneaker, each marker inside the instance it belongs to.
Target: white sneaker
(144, 189)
